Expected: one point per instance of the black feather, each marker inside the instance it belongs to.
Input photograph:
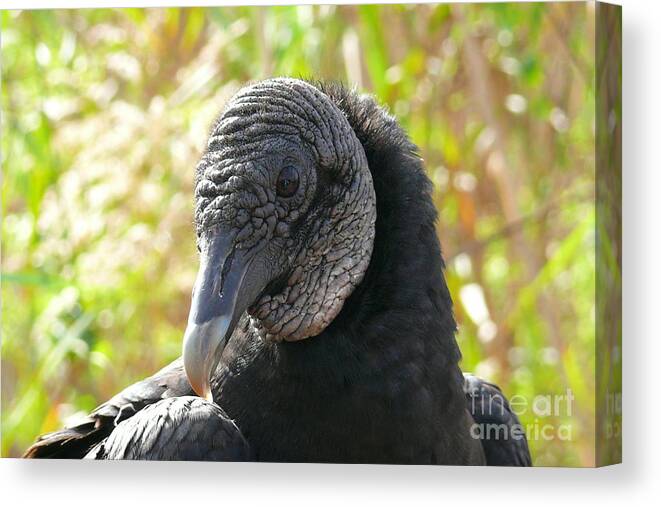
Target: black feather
(75, 442)
(502, 436)
(181, 428)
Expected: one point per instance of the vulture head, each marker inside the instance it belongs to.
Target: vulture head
(285, 215)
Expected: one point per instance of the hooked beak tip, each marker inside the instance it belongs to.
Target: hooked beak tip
(208, 396)
(201, 388)
(224, 287)
(203, 345)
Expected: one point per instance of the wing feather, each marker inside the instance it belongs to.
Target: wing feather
(503, 438)
(183, 428)
(76, 441)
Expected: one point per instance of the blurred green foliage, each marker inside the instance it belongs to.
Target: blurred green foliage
(105, 112)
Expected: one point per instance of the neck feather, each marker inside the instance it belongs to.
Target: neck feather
(404, 292)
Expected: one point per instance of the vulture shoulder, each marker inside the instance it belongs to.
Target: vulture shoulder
(503, 438)
(182, 428)
(76, 441)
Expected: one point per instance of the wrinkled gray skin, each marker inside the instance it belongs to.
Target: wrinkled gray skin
(291, 262)
(236, 188)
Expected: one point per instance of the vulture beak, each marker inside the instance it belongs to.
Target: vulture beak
(223, 290)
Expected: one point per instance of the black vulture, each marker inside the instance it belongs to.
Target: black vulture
(321, 327)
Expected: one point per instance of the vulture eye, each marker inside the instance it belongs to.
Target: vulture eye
(287, 183)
